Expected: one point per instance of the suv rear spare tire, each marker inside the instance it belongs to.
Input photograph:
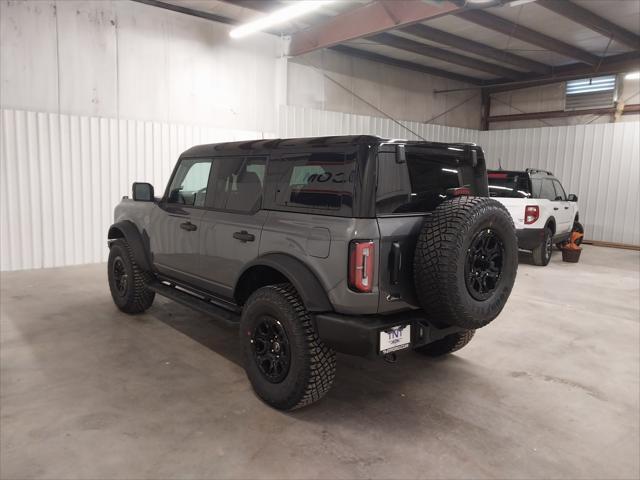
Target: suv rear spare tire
(465, 262)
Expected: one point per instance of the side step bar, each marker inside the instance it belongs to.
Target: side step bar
(202, 305)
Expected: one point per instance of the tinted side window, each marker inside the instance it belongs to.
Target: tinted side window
(559, 190)
(236, 183)
(547, 191)
(431, 172)
(189, 185)
(321, 181)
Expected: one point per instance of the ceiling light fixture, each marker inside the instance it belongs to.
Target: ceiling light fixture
(517, 3)
(279, 16)
(632, 76)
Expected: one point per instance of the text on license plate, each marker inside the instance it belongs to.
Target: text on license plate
(395, 338)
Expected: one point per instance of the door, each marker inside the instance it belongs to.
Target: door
(232, 225)
(564, 215)
(175, 228)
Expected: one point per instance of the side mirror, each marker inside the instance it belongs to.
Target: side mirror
(572, 197)
(143, 192)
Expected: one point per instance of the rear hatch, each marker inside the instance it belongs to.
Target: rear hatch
(412, 181)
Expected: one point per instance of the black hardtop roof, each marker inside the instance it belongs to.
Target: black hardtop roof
(259, 146)
(529, 171)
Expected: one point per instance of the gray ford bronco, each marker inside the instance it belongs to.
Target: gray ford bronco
(312, 246)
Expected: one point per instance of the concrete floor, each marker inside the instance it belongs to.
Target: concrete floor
(550, 389)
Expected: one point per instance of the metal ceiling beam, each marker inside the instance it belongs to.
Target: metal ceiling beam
(444, 55)
(461, 43)
(363, 21)
(188, 11)
(624, 62)
(628, 109)
(590, 20)
(416, 67)
(525, 34)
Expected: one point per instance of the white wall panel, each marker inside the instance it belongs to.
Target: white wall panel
(598, 162)
(62, 175)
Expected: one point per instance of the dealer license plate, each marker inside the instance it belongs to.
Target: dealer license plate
(395, 338)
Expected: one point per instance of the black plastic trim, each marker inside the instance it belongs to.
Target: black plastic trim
(135, 240)
(301, 277)
(360, 335)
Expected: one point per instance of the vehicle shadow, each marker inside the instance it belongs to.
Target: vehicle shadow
(363, 387)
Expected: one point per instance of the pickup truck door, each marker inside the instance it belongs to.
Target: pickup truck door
(564, 215)
(232, 225)
(175, 225)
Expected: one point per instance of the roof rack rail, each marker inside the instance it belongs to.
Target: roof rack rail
(535, 170)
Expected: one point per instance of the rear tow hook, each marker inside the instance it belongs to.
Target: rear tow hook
(390, 357)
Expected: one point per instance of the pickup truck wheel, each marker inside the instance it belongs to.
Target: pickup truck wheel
(465, 262)
(127, 281)
(449, 344)
(542, 253)
(286, 362)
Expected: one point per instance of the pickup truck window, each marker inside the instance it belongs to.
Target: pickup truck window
(547, 191)
(236, 183)
(559, 190)
(189, 185)
(508, 184)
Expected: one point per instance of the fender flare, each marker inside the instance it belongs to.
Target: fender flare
(134, 238)
(305, 282)
(551, 220)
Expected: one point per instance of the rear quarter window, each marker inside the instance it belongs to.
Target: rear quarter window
(320, 182)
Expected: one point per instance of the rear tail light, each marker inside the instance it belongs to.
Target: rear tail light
(361, 255)
(531, 214)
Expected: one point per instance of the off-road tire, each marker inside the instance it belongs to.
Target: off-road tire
(449, 344)
(542, 253)
(312, 364)
(136, 297)
(442, 253)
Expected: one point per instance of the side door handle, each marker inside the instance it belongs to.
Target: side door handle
(188, 226)
(555, 208)
(566, 208)
(244, 236)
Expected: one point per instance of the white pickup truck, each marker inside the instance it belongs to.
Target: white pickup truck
(541, 210)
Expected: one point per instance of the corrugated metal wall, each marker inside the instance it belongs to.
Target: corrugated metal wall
(599, 163)
(62, 175)
(305, 122)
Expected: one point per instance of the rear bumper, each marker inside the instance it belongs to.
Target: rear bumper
(360, 335)
(529, 238)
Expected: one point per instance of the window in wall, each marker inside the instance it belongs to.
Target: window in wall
(592, 92)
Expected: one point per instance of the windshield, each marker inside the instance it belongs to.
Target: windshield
(509, 184)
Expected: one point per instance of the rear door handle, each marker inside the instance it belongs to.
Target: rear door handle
(188, 226)
(555, 208)
(244, 236)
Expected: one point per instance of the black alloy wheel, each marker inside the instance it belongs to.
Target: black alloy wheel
(271, 349)
(120, 277)
(483, 268)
